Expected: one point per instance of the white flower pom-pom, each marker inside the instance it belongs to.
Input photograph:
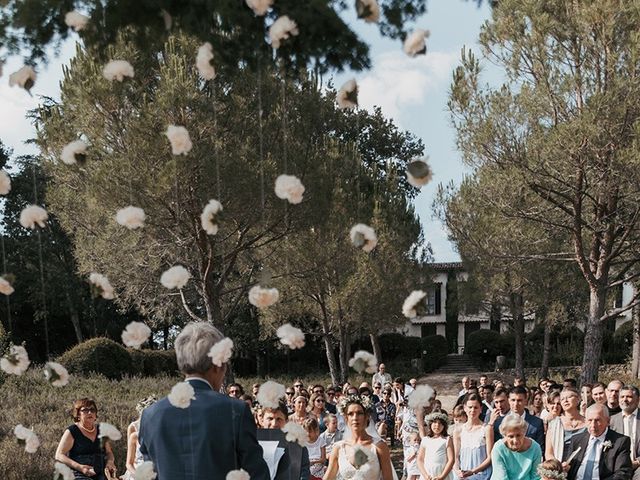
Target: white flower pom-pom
(259, 7)
(237, 475)
(181, 395)
(56, 374)
(109, 431)
(131, 217)
(422, 396)
(295, 433)
(415, 44)
(76, 20)
(419, 173)
(180, 140)
(368, 10)
(282, 29)
(60, 470)
(290, 336)
(30, 439)
(203, 62)
(290, 188)
(263, 297)
(209, 217)
(270, 394)
(5, 183)
(347, 96)
(411, 303)
(25, 78)
(135, 334)
(74, 152)
(364, 361)
(145, 471)
(33, 216)
(221, 352)
(16, 361)
(117, 70)
(103, 285)
(364, 237)
(176, 277)
(5, 287)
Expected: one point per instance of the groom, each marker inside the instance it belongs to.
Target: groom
(211, 437)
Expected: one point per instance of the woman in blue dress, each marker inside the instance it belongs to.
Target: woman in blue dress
(473, 442)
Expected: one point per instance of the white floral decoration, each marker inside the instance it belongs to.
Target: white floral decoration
(117, 70)
(411, 302)
(73, 152)
(209, 217)
(5, 287)
(32, 216)
(368, 10)
(263, 297)
(419, 173)
(238, 475)
(131, 217)
(56, 374)
(176, 277)
(364, 237)
(282, 29)
(109, 431)
(203, 62)
(5, 182)
(60, 470)
(76, 20)
(221, 352)
(103, 285)
(181, 395)
(421, 396)
(270, 394)
(25, 78)
(16, 361)
(289, 187)
(295, 433)
(290, 336)
(415, 44)
(260, 7)
(145, 471)
(179, 138)
(135, 334)
(347, 96)
(30, 439)
(364, 361)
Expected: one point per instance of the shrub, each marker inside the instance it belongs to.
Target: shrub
(485, 344)
(153, 362)
(98, 355)
(396, 345)
(434, 350)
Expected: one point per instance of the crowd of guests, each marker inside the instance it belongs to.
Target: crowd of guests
(494, 431)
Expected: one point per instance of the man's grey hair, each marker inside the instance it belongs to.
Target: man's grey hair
(512, 422)
(596, 407)
(193, 345)
(631, 388)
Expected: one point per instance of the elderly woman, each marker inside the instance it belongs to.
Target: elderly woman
(562, 428)
(514, 456)
(80, 448)
(300, 413)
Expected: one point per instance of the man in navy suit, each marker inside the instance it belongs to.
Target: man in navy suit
(517, 402)
(215, 434)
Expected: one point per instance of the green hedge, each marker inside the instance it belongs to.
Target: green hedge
(397, 345)
(486, 344)
(434, 352)
(148, 363)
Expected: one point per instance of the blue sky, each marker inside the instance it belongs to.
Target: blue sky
(411, 91)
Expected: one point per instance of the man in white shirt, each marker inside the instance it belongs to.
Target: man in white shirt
(381, 376)
(627, 422)
(466, 383)
(601, 453)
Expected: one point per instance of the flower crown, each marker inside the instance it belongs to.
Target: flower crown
(361, 400)
(437, 416)
(146, 402)
(553, 474)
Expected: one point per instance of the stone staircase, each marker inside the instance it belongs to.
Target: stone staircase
(459, 365)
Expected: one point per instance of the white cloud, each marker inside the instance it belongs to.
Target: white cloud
(397, 82)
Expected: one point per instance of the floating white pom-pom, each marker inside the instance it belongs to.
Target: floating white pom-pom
(135, 334)
(203, 62)
(364, 361)
(368, 10)
(237, 475)
(109, 431)
(102, 283)
(16, 361)
(419, 173)
(411, 303)
(56, 374)
(181, 395)
(74, 152)
(347, 96)
(5, 182)
(290, 336)
(76, 20)
(131, 217)
(179, 138)
(270, 394)
(263, 297)
(117, 70)
(25, 78)
(33, 216)
(5, 287)
(422, 396)
(415, 44)
(176, 277)
(209, 217)
(260, 7)
(296, 433)
(364, 237)
(30, 439)
(282, 29)
(145, 471)
(290, 188)
(62, 471)
(221, 352)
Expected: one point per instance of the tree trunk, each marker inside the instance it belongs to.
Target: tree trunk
(593, 336)
(344, 354)
(375, 346)
(635, 359)
(546, 350)
(516, 306)
(165, 336)
(75, 318)
(328, 347)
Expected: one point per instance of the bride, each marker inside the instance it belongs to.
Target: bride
(360, 456)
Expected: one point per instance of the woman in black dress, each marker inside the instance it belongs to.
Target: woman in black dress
(80, 448)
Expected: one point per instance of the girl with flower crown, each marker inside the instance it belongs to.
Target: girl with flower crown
(436, 454)
(360, 456)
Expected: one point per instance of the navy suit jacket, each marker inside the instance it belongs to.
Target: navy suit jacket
(215, 435)
(615, 462)
(535, 428)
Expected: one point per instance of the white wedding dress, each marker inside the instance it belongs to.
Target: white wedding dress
(347, 471)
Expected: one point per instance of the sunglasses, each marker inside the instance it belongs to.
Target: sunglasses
(298, 386)
(319, 400)
(88, 410)
(377, 388)
(289, 393)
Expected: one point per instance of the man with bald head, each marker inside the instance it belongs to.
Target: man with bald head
(613, 392)
(381, 376)
(601, 453)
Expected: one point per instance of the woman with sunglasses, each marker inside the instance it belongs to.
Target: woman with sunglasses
(317, 408)
(80, 447)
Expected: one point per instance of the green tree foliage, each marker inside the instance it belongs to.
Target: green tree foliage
(561, 132)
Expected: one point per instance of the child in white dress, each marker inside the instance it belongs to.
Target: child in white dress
(436, 454)
(316, 447)
(411, 456)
